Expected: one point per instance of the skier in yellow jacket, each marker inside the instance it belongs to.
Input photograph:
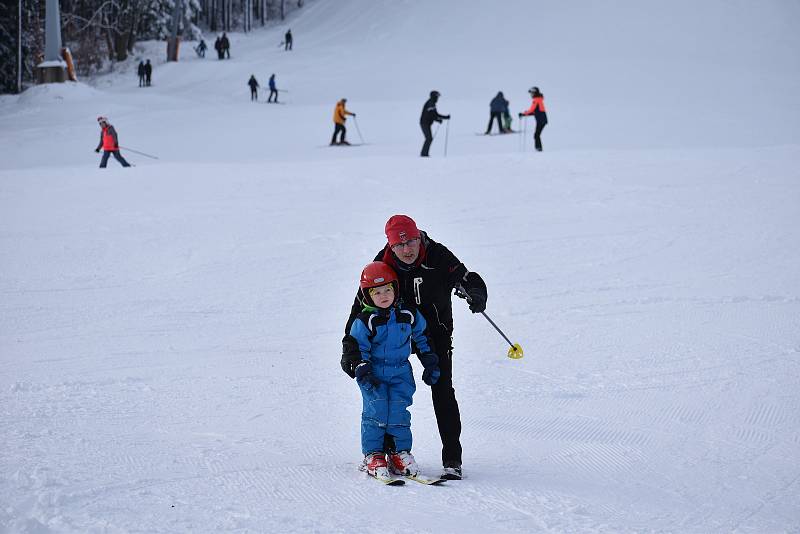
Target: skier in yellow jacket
(340, 114)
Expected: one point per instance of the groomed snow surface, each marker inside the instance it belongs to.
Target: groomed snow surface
(170, 333)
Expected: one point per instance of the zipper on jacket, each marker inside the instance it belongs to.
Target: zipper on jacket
(417, 295)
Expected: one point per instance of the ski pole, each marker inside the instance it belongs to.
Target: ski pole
(525, 131)
(355, 121)
(438, 124)
(515, 352)
(446, 132)
(140, 153)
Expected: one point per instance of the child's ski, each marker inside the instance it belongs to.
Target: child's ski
(388, 481)
(424, 480)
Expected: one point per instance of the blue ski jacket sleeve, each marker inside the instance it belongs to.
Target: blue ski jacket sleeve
(418, 333)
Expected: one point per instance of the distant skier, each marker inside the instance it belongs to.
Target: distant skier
(225, 44)
(272, 90)
(253, 83)
(426, 120)
(383, 331)
(496, 108)
(148, 73)
(287, 40)
(140, 72)
(538, 111)
(109, 143)
(201, 48)
(340, 114)
(218, 48)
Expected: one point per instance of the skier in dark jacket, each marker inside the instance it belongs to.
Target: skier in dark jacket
(253, 83)
(427, 118)
(109, 143)
(272, 89)
(148, 73)
(201, 48)
(225, 44)
(288, 40)
(140, 72)
(218, 48)
(497, 107)
(537, 110)
(427, 274)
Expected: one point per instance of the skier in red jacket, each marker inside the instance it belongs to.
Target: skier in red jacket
(109, 143)
(537, 110)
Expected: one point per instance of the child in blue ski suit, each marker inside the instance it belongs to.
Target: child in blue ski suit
(384, 331)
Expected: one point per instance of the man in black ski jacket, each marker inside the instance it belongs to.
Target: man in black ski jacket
(427, 274)
(148, 73)
(428, 117)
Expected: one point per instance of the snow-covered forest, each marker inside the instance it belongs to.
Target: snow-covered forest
(100, 33)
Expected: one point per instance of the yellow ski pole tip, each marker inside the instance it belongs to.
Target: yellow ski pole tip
(515, 352)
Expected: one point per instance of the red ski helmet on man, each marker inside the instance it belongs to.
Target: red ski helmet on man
(377, 274)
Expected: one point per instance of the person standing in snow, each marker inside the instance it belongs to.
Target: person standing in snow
(426, 120)
(253, 83)
(109, 143)
(201, 49)
(218, 48)
(507, 119)
(288, 39)
(148, 73)
(496, 108)
(538, 111)
(427, 274)
(383, 330)
(272, 89)
(225, 44)
(340, 114)
(140, 72)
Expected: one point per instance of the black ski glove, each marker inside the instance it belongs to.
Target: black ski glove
(521, 115)
(477, 300)
(364, 375)
(430, 363)
(351, 356)
(97, 150)
(475, 292)
(447, 117)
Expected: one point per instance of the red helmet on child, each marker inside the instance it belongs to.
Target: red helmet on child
(377, 274)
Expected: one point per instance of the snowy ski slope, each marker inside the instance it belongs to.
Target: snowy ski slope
(170, 333)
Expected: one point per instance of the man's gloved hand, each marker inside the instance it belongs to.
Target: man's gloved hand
(354, 115)
(365, 376)
(477, 300)
(351, 356)
(521, 115)
(430, 362)
(447, 117)
(431, 375)
(97, 150)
